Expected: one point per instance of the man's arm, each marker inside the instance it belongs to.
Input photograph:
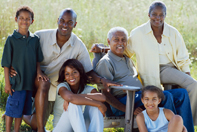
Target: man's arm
(110, 99)
(95, 78)
(96, 48)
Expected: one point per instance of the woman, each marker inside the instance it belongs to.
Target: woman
(72, 93)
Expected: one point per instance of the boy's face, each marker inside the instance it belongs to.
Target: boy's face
(151, 100)
(24, 20)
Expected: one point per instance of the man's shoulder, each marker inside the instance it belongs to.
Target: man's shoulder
(76, 39)
(45, 32)
(106, 58)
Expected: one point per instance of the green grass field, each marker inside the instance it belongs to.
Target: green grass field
(95, 18)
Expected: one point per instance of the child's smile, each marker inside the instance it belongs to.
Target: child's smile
(151, 101)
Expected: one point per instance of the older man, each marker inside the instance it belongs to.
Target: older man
(58, 45)
(119, 68)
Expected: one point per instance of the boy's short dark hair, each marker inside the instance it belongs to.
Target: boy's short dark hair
(154, 89)
(25, 8)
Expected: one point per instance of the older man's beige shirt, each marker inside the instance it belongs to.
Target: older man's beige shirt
(143, 43)
(54, 56)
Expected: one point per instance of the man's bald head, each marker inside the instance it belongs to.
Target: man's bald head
(69, 11)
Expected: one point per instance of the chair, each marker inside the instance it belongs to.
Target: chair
(119, 121)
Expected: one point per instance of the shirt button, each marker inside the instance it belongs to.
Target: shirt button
(164, 44)
(23, 36)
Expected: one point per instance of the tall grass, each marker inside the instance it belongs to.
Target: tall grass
(96, 17)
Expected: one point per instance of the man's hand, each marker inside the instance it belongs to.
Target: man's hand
(42, 76)
(95, 48)
(102, 108)
(8, 89)
(106, 83)
(138, 110)
(12, 72)
(188, 73)
(65, 105)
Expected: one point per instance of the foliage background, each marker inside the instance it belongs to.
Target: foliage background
(95, 18)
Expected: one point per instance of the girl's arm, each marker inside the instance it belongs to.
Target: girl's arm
(7, 81)
(40, 74)
(141, 123)
(95, 96)
(81, 100)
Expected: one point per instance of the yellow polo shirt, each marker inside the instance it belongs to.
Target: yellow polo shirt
(143, 43)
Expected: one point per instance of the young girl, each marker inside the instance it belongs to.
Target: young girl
(72, 93)
(155, 119)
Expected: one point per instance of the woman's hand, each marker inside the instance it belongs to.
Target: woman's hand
(65, 105)
(102, 108)
(42, 76)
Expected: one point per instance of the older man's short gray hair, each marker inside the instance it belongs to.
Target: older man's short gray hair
(115, 29)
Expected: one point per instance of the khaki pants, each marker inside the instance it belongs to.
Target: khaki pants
(170, 75)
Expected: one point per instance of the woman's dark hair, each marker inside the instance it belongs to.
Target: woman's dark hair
(153, 89)
(156, 4)
(25, 8)
(73, 63)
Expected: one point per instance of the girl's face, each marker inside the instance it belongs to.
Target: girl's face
(151, 100)
(72, 76)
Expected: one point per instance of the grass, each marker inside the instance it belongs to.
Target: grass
(95, 18)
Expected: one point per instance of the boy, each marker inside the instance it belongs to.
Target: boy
(22, 51)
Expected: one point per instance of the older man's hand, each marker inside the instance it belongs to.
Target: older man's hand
(106, 83)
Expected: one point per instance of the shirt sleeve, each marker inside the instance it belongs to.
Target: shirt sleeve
(84, 58)
(183, 60)
(104, 69)
(39, 52)
(65, 84)
(7, 54)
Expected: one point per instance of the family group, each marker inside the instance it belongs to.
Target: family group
(49, 72)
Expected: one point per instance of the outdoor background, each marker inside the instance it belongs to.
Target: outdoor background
(95, 18)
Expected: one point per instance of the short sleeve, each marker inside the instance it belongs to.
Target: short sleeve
(84, 58)
(105, 69)
(7, 54)
(65, 84)
(39, 54)
(87, 89)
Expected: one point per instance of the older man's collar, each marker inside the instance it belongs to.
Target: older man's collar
(117, 58)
